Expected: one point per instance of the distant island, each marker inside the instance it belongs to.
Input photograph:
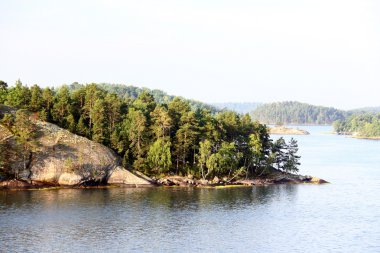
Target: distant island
(363, 126)
(296, 113)
(282, 130)
(92, 135)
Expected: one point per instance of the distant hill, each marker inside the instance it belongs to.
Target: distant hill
(297, 113)
(242, 108)
(129, 91)
(366, 110)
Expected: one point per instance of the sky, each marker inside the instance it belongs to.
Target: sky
(323, 52)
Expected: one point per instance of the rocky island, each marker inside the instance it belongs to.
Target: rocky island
(64, 159)
(287, 131)
(87, 136)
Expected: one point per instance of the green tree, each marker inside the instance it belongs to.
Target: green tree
(137, 132)
(186, 137)
(25, 132)
(205, 152)
(36, 101)
(228, 159)
(176, 109)
(145, 103)
(279, 151)
(161, 122)
(93, 93)
(18, 96)
(71, 124)
(3, 91)
(99, 121)
(292, 159)
(62, 106)
(47, 102)
(159, 156)
(113, 108)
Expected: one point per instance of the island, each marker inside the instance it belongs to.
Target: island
(361, 126)
(282, 130)
(87, 136)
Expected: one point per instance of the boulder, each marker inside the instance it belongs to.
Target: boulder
(316, 180)
(69, 179)
(216, 180)
(203, 182)
(120, 175)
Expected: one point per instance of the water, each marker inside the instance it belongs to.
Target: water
(343, 216)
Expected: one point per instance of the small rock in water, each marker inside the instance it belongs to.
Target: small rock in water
(317, 180)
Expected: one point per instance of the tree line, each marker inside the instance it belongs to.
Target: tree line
(297, 113)
(171, 137)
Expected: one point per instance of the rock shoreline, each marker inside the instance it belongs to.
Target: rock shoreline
(216, 182)
(169, 181)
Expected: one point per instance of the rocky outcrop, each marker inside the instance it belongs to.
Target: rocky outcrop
(121, 176)
(60, 157)
(287, 131)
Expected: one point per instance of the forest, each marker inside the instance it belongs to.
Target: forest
(297, 113)
(154, 137)
(362, 125)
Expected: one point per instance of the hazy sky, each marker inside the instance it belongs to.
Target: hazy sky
(324, 52)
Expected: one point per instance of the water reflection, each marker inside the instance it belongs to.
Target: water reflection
(162, 198)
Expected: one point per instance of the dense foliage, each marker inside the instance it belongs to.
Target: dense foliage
(132, 92)
(156, 138)
(296, 113)
(362, 125)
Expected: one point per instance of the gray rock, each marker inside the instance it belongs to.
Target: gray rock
(63, 158)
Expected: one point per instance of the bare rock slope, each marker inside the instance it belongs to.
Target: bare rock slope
(60, 157)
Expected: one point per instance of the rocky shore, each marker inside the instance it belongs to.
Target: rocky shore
(216, 182)
(169, 181)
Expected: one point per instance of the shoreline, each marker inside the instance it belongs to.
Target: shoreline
(168, 182)
(353, 136)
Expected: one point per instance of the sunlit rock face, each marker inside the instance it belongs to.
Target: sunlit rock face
(63, 158)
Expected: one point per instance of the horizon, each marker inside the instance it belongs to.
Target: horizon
(321, 53)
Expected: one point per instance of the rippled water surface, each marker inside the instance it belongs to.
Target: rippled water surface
(343, 216)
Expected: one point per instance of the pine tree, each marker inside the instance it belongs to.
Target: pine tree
(292, 159)
(25, 131)
(35, 103)
(161, 122)
(98, 116)
(62, 106)
(137, 133)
